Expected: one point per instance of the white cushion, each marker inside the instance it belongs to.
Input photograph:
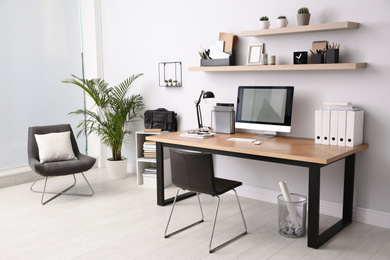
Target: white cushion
(55, 147)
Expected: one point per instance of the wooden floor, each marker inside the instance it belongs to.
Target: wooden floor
(122, 221)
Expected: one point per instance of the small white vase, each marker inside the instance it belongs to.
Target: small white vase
(116, 169)
(281, 23)
(264, 24)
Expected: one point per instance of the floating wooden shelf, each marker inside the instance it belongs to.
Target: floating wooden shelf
(301, 29)
(333, 66)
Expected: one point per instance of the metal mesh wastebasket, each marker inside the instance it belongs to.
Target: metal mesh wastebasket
(292, 215)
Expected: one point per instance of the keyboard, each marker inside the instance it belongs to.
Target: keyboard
(248, 140)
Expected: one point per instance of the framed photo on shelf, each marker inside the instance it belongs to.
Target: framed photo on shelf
(254, 53)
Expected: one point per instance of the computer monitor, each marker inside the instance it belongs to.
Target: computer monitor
(265, 109)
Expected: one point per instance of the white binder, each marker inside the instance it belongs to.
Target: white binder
(334, 115)
(325, 126)
(318, 126)
(354, 133)
(342, 127)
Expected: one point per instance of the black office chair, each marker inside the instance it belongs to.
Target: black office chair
(57, 168)
(195, 172)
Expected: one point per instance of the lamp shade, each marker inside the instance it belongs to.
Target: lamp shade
(208, 94)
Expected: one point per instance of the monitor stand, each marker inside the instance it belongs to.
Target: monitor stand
(266, 135)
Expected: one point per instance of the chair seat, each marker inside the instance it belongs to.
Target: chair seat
(224, 185)
(84, 163)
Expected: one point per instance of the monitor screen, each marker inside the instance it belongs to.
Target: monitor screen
(264, 108)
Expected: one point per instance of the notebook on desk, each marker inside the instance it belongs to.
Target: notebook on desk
(198, 136)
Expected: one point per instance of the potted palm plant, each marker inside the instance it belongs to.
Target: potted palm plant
(110, 116)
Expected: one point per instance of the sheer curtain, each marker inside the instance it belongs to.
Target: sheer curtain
(40, 47)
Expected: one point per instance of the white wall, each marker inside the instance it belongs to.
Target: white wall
(139, 34)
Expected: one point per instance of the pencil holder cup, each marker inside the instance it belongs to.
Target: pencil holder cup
(332, 56)
(292, 216)
(318, 58)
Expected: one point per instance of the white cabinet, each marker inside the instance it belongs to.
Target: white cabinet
(146, 163)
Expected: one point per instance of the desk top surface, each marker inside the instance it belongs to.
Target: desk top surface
(283, 147)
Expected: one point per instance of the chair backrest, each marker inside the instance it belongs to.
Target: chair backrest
(32, 147)
(193, 171)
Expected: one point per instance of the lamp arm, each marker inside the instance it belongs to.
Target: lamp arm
(199, 115)
(197, 102)
(198, 112)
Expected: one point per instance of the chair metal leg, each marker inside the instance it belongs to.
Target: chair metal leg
(211, 250)
(62, 192)
(186, 227)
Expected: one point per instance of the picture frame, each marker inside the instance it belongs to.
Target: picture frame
(254, 53)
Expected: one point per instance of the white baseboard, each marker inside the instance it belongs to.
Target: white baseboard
(372, 217)
(15, 176)
(363, 215)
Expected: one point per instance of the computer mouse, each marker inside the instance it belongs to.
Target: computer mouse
(257, 142)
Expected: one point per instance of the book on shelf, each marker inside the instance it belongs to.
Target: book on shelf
(150, 154)
(150, 170)
(149, 144)
(152, 130)
(149, 148)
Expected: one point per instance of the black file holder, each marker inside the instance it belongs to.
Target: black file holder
(220, 62)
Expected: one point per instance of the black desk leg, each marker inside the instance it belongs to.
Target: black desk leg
(349, 180)
(160, 174)
(315, 240)
(314, 206)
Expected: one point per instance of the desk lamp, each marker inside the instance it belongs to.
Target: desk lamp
(204, 95)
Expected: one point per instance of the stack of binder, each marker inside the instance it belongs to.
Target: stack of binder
(339, 124)
(149, 148)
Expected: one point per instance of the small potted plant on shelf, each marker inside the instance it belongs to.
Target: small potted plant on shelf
(166, 83)
(281, 21)
(113, 112)
(264, 22)
(170, 82)
(303, 16)
(174, 83)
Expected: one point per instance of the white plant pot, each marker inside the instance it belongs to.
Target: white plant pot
(117, 169)
(281, 23)
(264, 24)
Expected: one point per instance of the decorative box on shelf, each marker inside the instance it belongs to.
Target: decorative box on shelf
(220, 62)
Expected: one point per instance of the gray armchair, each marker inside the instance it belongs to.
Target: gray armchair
(80, 164)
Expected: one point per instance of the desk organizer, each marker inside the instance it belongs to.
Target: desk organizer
(220, 62)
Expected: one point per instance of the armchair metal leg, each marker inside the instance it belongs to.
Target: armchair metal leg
(186, 227)
(62, 192)
(211, 250)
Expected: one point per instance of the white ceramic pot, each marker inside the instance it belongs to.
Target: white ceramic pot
(116, 169)
(264, 24)
(281, 23)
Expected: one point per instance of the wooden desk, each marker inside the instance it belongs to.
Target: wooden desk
(285, 150)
